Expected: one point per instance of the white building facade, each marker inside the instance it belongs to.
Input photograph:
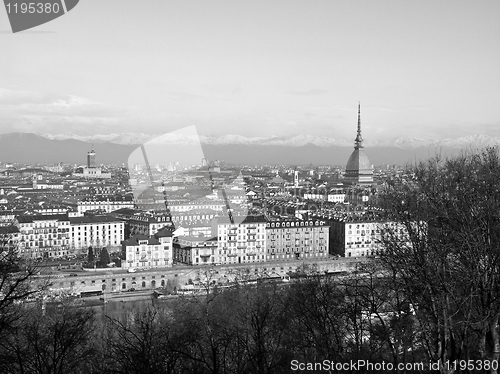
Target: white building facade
(141, 251)
(239, 243)
(107, 205)
(43, 236)
(96, 231)
(297, 239)
(195, 251)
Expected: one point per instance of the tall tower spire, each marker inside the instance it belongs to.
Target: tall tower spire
(359, 139)
(358, 170)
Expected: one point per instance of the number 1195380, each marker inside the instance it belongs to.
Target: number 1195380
(33, 8)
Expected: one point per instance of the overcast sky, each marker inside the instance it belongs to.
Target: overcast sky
(428, 69)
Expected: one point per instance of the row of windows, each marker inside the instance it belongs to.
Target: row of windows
(294, 224)
(241, 237)
(235, 244)
(192, 218)
(363, 232)
(44, 250)
(290, 255)
(362, 245)
(148, 248)
(386, 224)
(296, 249)
(273, 236)
(91, 240)
(96, 227)
(45, 224)
(44, 230)
(44, 236)
(44, 244)
(362, 254)
(245, 229)
(143, 257)
(96, 234)
(91, 237)
(297, 242)
(357, 226)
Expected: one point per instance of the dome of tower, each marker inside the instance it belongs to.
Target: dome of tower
(358, 161)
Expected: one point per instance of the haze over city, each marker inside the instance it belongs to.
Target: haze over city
(422, 69)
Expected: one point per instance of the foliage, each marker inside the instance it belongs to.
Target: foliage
(104, 258)
(90, 256)
(448, 261)
(58, 341)
(18, 281)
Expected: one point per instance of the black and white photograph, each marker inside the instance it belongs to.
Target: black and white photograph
(249, 186)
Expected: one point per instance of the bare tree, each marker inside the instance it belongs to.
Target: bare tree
(445, 248)
(56, 342)
(316, 310)
(262, 325)
(389, 321)
(19, 279)
(144, 342)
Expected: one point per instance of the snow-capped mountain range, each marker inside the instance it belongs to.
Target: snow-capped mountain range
(236, 149)
(290, 141)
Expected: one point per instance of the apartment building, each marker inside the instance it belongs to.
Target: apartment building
(193, 215)
(197, 229)
(95, 231)
(243, 241)
(143, 251)
(148, 223)
(43, 236)
(357, 236)
(191, 250)
(201, 204)
(106, 205)
(297, 239)
(143, 223)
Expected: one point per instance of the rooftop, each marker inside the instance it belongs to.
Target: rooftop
(40, 217)
(134, 240)
(242, 220)
(93, 219)
(165, 232)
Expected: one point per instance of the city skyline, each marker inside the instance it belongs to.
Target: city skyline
(424, 70)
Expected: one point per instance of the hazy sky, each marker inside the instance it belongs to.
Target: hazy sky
(428, 69)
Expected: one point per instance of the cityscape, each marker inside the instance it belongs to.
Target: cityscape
(150, 245)
(154, 218)
(249, 187)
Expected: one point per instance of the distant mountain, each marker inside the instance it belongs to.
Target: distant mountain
(124, 139)
(303, 149)
(292, 141)
(32, 148)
